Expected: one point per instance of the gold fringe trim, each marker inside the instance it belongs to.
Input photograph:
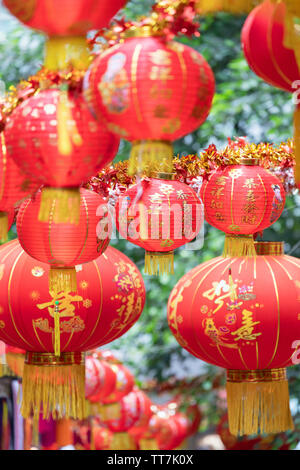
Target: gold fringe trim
(150, 156)
(258, 406)
(60, 205)
(148, 444)
(15, 363)
(297, 143)
(3, 227)
(239, 245)
(5, 371)
(61, 53)
(54, 389)
(159, 263)
(122, 441)
(62, 280)
(107, 412)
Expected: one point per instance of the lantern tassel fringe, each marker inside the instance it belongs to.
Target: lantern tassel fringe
(109, 411)
(122, 441)
(258, 408)
(159, 263)
(15, 363)
(54, 390)
(149, 157)
(60, 205)
(148, 444)
(239, 245)
(3, 227)
(62, 280)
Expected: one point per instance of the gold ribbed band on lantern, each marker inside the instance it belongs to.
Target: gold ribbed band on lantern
(60, 205)
(258, 402)
(239, 245)
(150, 156)
(3, 227)
(122, 441)
(64, 52)
(269, 248)
(159, 263)
(54, 386)
(236, 7)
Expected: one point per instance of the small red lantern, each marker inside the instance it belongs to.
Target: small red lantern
(54, 139)
(242, 315)
(159, 215)
(64, 246)
(145, 406)
(64, 17)
(242, 200)
(150, 92)
(100, 379)
(173, 429)
(103, 309)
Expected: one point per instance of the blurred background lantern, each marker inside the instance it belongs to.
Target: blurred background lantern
(145, 413)
(242, 200)
(159, 215)
(66, 22)
(64, 246)
(102, 309)
(230, 6)
(277, 59)
(242, 315)
(150, 92)
(100, 379)
(54, 139)
(15, 358)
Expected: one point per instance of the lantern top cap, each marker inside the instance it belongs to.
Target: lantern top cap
(269, 248)
(143, 31)
(247, 161)
(163, 175)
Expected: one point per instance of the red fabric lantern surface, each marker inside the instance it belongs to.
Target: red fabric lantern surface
(64, 246)
(150, 92)
(272, 61)
(103, 309)
(54, 139)
(242, 314)
(64, 17)
(194, 416)
(141, 424)
(100, 379)
(173, 430)
(159, 215)
(242, 200)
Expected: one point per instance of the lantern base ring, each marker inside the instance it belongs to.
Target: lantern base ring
(54, 386)
(258, 402)
(159, 263)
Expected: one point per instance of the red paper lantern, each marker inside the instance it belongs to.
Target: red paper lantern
(159, 215)
(145, 406)
(54, 139)
(102, 438)
(242, 200)
(173, 430)
(150, 92)
(242, 314)
(64, 17)
(103, 309)
(100, 379)
(276, 60)
(194, 416)
(64, 246)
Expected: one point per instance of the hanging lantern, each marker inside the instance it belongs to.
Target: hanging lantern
(242, 200)
(102, 438)
(230, 6)
(150, 92)
(194, 416)
(67, 23)
(64, 246)
(54, 139)
(100, 379)
(148, 439)
(103, 309)
(173, 429)
(159, 215)
(145, 405)
(15, 358)
(242, 315)
(277, 59)
(14, 186)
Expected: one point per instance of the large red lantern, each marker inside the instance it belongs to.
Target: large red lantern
(150, 92)
(159, 215)
(242, 200)
(64, 246)
(276, 60)
(54, 139)
(109, 300)
(241, 314)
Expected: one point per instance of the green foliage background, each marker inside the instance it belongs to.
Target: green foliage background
(243, 106)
